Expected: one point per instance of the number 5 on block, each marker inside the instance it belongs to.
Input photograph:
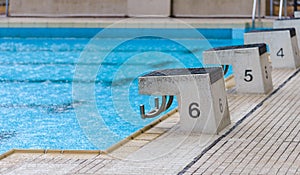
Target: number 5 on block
(248, 75)
(251, 68)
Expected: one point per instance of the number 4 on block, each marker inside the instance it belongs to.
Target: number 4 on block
(280, 53)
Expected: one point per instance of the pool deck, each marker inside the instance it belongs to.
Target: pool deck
(133, 22)
(263, 138)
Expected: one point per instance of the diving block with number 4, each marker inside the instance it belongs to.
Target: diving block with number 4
(283, 45)
(288, 23)
(200, 92)
(250, 64)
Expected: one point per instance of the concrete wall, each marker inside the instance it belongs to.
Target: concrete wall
(68, 7)
(220, 8)
(154, 8)
(139, 8)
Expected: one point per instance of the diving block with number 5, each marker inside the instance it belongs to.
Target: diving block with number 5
(251, 68)
(200, 92)
(283, 45)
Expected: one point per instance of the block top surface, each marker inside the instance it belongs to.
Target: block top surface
(215, 73)
(262, 47)
(285, 19)
(292, 30)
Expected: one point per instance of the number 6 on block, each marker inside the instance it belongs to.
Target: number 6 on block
(194, 110)
(200, 93)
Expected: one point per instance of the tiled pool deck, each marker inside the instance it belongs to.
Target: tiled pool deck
(263, 138)
(131, 22)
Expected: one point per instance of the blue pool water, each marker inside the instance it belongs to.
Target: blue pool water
(37, 109)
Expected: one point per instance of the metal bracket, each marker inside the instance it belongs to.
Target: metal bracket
(158, 109)
(225, 68)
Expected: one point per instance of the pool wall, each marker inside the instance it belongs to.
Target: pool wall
(144, 8)
(209, 33)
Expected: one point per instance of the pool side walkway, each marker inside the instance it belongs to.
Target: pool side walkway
(132, 22)
(263, 138)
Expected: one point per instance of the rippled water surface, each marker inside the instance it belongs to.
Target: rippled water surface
(36, 74)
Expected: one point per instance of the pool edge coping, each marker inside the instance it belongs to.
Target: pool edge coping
(14, 22)
(140, 131)
(107, 151)
(50, 151)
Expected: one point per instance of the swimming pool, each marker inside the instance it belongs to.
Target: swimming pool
(37, 68)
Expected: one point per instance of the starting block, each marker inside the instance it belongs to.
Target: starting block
(283, 45)
(201, 95)
(289, 23)
(251, 67)
(296, 14)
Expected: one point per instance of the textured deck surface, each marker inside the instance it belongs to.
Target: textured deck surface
(262, 139)
(132, 22)
(267, 142)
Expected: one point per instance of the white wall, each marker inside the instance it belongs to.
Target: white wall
(133, 8)
(220, 8)
(68, 7)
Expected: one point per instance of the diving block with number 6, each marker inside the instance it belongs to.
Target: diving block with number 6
(283, 45)
(251, 68)
(200, 92)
